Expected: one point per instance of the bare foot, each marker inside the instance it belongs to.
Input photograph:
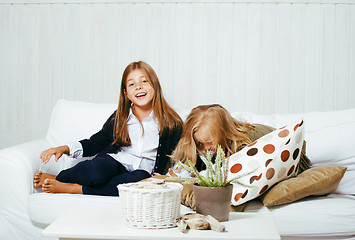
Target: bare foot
(54, 186)
(39, 178)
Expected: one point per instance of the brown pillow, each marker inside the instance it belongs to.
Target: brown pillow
(315, 181)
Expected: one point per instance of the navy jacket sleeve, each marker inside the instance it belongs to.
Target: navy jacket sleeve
(100, 140)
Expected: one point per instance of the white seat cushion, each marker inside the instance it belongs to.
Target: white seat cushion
(331, 215)
(44, 208)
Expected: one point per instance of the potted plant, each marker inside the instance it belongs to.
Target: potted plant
(212, 189)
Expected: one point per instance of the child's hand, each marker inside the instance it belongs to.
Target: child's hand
(57, 152)
(171, 172)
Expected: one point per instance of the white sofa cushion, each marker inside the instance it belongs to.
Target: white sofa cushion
(44, 208)
(73, 121)
(329, 217)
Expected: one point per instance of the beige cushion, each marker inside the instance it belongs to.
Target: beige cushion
(312, 182)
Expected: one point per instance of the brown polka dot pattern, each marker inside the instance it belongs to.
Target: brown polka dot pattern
(252, 179)
(264, 189)
(252, 152)
(236, 168)
(271, 155)
(245, 193)
(238, 196)
(285, 155)
(268, 162)
(291, 170)
(295, 153)
(252, 144)
(283, 133)
(270, 173)
(269, 148)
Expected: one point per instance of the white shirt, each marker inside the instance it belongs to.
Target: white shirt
(144, 144)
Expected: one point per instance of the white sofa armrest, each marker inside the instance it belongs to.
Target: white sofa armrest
(17, 167)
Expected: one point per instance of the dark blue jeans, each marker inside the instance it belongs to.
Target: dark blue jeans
(101, 175)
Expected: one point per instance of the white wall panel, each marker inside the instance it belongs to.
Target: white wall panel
(239, 54)
(327, 58)
(269, 31)
(257, 56)
(342, 55)
(283, 92)
(197, 54)
(253, 57)
(210, 81)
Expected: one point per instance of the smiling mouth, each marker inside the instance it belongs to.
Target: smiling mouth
(141, 95)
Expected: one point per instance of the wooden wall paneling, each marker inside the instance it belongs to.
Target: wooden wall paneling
(224, 54)
(197, 54)
(84, 61)
(17, 126)
(167, 68)
(269, 44)
(113, 73)
(296, 84)
(6, 58)
(98, 62)
(239, 55)
(44, 69)
(253, 58)
(352, 58)
(182, 55)
(154, 40)
(210, 81)
(327, 59)
(283, 67)
(342, 56)
(312, 57)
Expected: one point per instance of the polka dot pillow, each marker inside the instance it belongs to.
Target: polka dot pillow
(275, 156)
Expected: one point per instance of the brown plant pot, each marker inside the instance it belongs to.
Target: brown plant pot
(214, 201)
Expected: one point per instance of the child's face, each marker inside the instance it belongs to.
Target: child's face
(139, 90)
(205, 140)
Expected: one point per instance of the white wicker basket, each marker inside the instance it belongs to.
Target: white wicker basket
(150, 208)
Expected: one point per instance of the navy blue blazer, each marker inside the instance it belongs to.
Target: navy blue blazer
(101, 142)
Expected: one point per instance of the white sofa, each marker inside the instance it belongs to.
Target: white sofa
(26, 211)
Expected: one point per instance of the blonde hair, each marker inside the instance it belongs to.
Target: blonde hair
(167, 118)
(228, 131)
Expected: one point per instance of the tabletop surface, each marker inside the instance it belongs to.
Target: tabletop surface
(95, 224)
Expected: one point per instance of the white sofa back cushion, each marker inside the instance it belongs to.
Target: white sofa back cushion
(329, 135)
(73, 121)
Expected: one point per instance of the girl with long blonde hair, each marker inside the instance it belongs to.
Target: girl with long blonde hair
(208, 126)
(133, 144)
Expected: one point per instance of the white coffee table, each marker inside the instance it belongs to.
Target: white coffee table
(109, 225)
